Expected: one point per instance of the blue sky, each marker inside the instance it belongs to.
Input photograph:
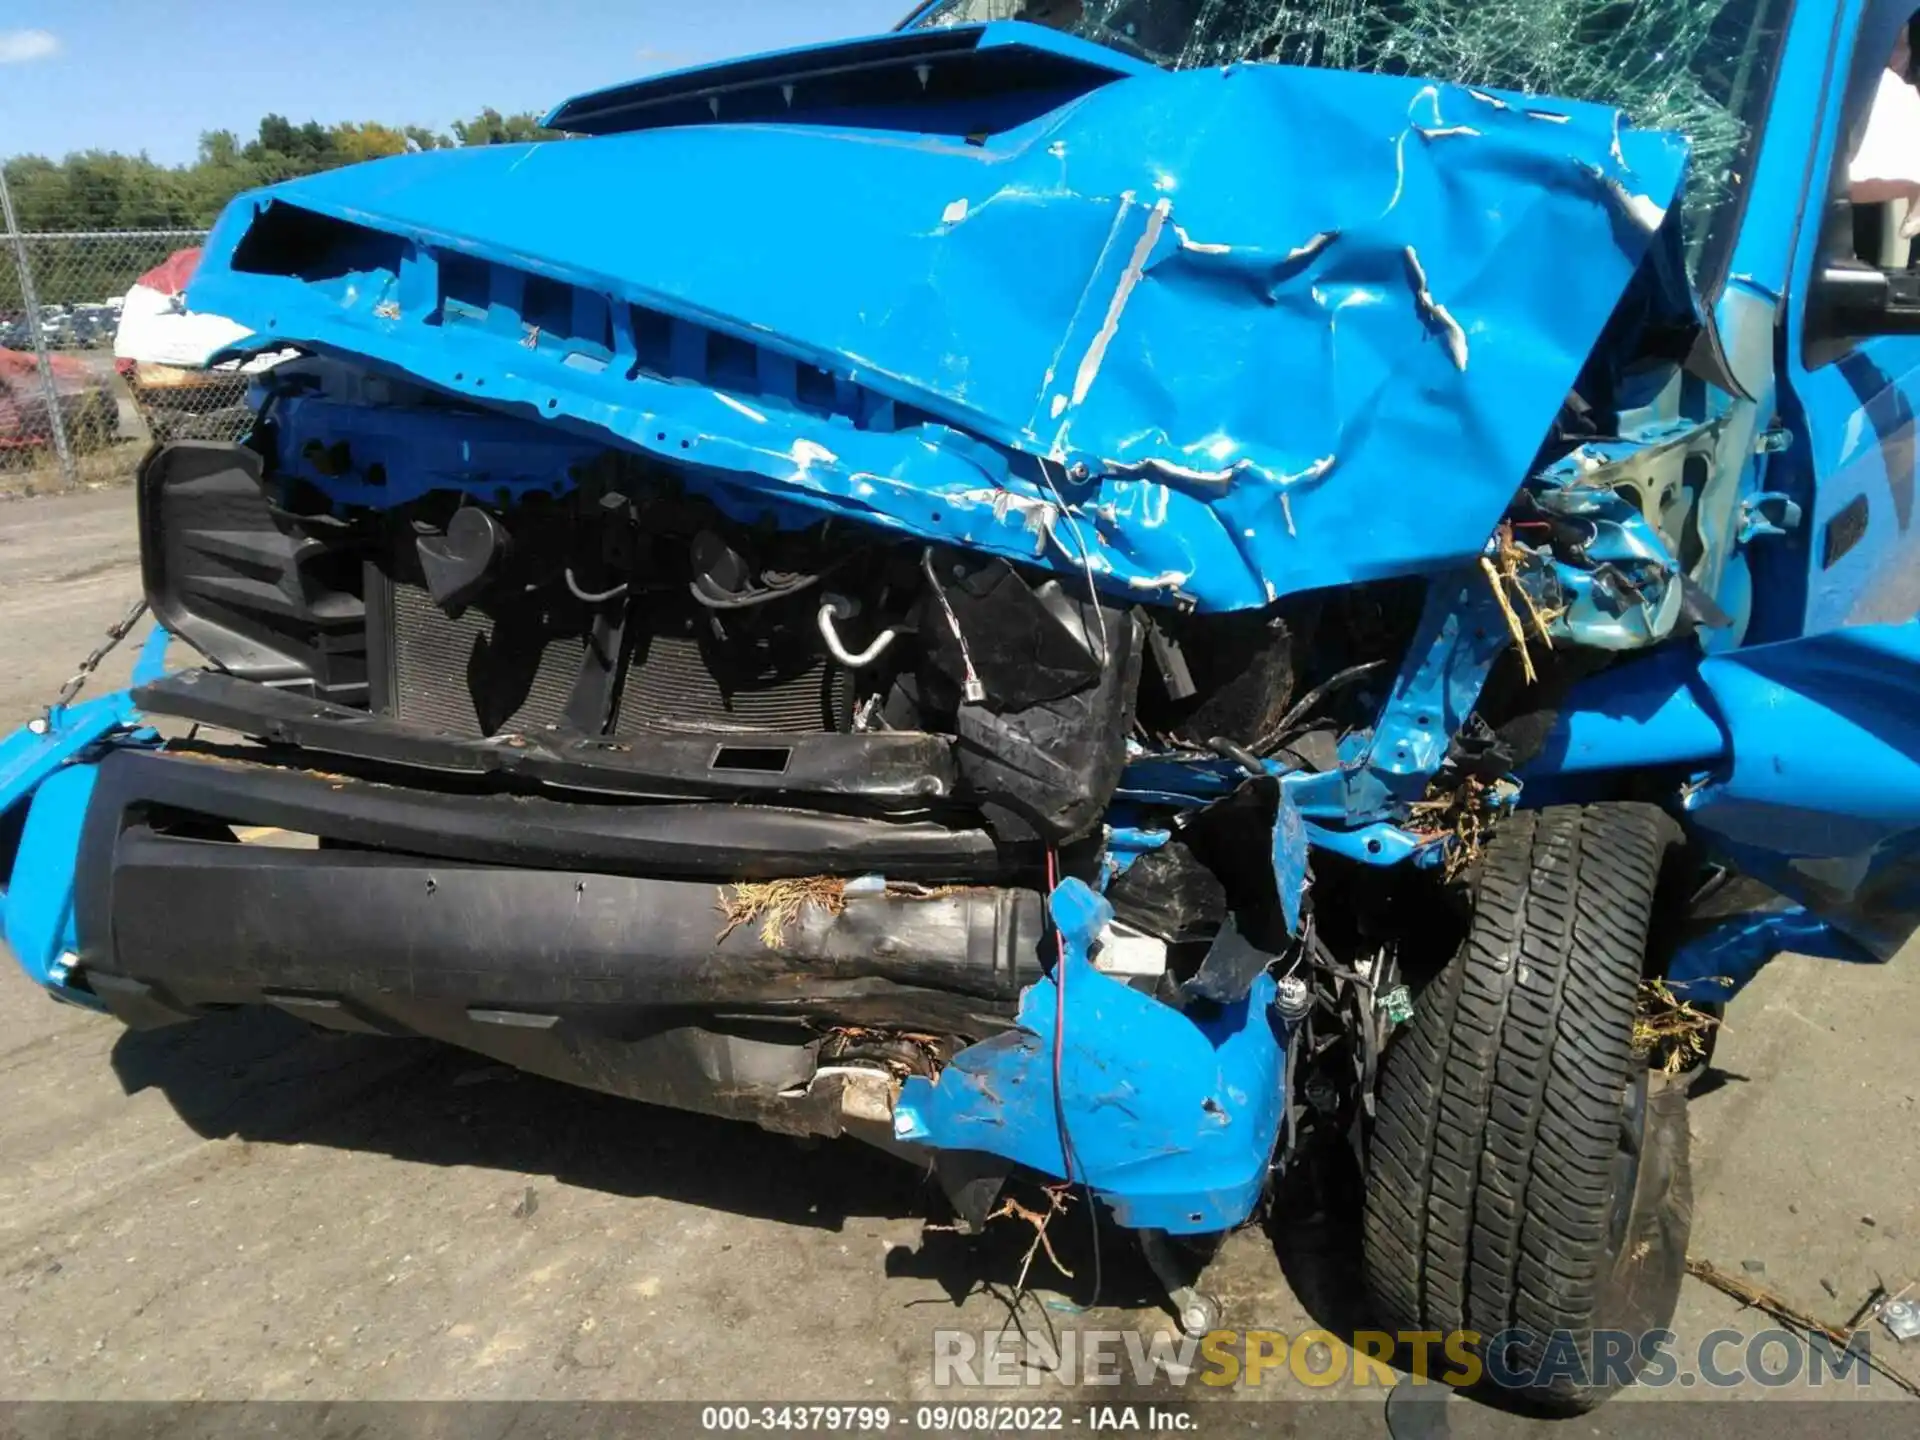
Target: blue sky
(152, 74)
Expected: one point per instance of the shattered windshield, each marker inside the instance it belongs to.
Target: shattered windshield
(1703, 67)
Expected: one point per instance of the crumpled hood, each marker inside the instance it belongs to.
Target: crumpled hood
(1264, 329)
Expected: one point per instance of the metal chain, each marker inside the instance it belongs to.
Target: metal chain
(115, 635)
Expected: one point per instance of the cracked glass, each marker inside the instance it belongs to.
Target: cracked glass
(1702, 67)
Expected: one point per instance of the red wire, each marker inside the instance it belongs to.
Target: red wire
(1059, 1024)
(1068, 1160)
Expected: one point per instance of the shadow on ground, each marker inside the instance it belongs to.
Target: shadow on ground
(260, 1076)
(1314, 1223)
(267, 1078)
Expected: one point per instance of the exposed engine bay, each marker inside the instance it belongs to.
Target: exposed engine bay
(572, 625)
(1038, 698)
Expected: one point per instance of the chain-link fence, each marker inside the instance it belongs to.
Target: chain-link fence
(72, 410)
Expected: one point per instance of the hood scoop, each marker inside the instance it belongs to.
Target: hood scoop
(956, 80)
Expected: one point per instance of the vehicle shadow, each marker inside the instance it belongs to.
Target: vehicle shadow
(1314, 1226)
(264, 1077)
(259, 1075)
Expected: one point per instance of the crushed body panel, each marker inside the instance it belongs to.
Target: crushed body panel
(1397, 274)
(1170, 1118)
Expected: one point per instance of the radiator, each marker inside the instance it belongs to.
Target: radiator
(483, 673)
(476, 676)
(677, 676)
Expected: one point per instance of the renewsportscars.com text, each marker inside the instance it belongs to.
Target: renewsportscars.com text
(1319, 1359)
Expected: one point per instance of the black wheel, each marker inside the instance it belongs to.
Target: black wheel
(1527, 1177)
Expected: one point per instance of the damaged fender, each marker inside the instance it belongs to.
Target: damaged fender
(1805, 764)
(1169, 1118)
(44, 771)
(1821, 798)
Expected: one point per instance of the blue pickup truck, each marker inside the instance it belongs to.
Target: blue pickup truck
(1103, 591)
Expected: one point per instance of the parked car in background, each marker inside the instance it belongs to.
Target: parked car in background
(162, 350)
(93, 326)
(85, 396)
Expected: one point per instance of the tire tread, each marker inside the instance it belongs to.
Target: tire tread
(1497, 1115)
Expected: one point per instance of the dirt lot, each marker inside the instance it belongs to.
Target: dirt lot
(240, 1209)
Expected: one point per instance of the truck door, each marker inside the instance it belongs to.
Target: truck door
(1821, 799)
(1852, 353)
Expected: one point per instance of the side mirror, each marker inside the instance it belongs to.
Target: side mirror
(1853, 300)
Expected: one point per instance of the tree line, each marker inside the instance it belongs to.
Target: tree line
(108, 190)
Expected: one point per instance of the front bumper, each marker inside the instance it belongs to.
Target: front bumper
(585, 938)
(563, 930)
(575, 940)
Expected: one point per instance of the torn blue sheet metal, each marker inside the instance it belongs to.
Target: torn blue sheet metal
(1712, 968)
(1801, 763)
(33, 752)
(1382, 844)
(38, 773)
(36, 905)
(151, 661)
(1820, 796)
(1171, 1118)
(1649, 713)
(1124, 845)
(1625, 592)
(1178, 781)
(835, 313)
(42, 772)
(1462, 631)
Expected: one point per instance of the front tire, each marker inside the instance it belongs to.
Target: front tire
(1527, 1178)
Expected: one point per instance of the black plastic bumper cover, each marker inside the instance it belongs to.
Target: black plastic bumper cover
(524, 932)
